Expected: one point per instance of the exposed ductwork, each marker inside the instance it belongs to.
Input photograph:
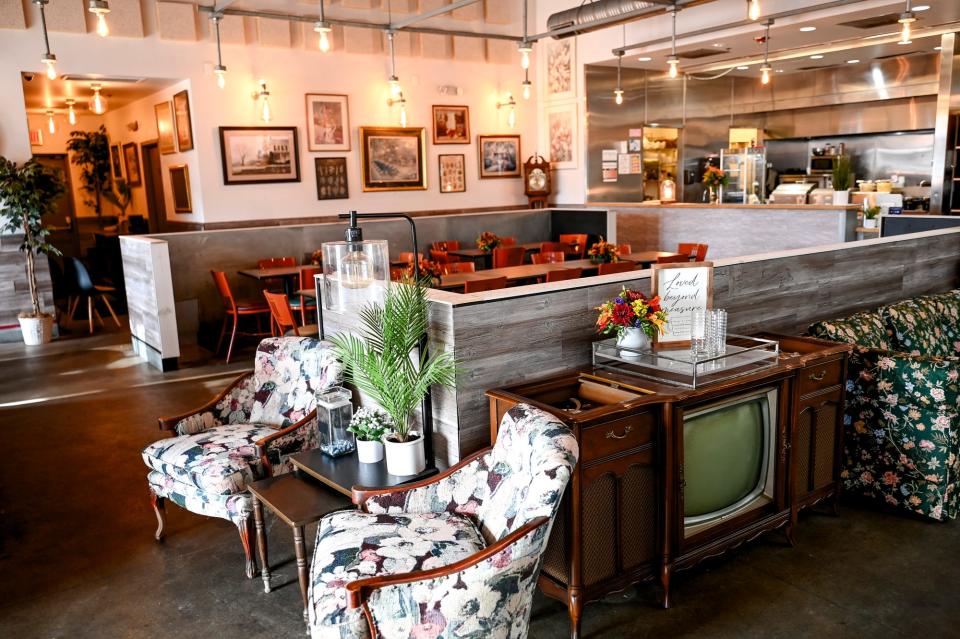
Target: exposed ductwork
(600, 15)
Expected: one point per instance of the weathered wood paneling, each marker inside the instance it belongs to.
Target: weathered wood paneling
(14, 290)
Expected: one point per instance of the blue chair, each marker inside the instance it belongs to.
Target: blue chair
(78, 279)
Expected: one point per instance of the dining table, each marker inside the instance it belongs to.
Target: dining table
(484, 259)
(290, 275)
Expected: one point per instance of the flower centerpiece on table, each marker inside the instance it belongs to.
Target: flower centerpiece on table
(633, 318)
(603, 252)
(713, 179)
(317, 257)
(428, 272)
(369, 425)
(488, 241)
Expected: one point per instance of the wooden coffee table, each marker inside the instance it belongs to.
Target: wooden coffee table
(297, 501)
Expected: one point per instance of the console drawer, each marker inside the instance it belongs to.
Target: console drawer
(616, 436)
(819, 376)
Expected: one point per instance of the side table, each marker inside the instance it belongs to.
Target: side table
(297, 502)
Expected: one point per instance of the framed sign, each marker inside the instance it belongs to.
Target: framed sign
(683, 288)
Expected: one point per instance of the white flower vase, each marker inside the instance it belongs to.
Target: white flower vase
(634, 339)
(369, 452)
(405, 458)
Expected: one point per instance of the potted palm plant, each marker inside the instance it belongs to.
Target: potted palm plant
(841, 180)
(27, 193)
(381, 361)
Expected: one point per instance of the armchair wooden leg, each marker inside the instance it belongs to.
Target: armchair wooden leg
(160, 511)
(575, 609)
(302, 569)
(261, 543)
(247, 535)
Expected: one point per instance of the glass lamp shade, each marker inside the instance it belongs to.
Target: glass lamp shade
(354, 274)
(668, 191)
(334, 411)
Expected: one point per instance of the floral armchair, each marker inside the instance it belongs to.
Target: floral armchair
(453, 556)
(902, 431)
(245, 433)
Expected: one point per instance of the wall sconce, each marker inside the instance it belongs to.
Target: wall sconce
(512, 113)
(402, 101)
(264, 98)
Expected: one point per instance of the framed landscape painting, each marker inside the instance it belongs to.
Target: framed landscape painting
(561, 124)
(131, 164)
(331, 178)
(181, 114)
(453, 173)
(328, 122)
(165, 132)
(451, 124)
(180, 189)
(499, 156)
(259, 154)
(393, 158)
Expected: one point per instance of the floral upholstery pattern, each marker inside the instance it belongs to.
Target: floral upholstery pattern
(902, 431)
(235, 508)
(352, 545)
(520, 479)
(867, 329)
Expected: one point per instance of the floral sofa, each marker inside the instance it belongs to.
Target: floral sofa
(902, 431)
(456, 555)
(245, 433)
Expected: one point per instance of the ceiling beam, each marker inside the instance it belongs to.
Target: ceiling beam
(406, 22)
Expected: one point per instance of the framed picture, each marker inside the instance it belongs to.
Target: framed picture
(328, 122)
(181, 114)
(683, 287)
(560, 69)
(451, 124)
(259, 154)
(131, 164)
(499, 156)
(180, 188)
(561, 122)
(36, 137)
(453, 173)
(116, 162)
(165, 132)
(331, 178)
(393, 158)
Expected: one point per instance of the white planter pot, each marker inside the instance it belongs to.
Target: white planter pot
(870, 224)
(369, 452)
(635, 339)
(405, 458)
(841, 197)
(37, 330)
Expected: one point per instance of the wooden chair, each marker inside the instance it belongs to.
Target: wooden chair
(623, 266)
(508, 241)
(491, 284)
(564, 274)
(300, 302)
(442, 257)
(553, 247)
(407, 256)
(282, 317)
(670, 259)
(458, 267)
(274, 262)
(446, 245)
(577, 244)
(81, 285)
(234, 308)
(548, 257)
(624, 249)
(696, 252)
(508, 256)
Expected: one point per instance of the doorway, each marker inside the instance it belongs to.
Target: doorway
(62, 221)
(153, 185)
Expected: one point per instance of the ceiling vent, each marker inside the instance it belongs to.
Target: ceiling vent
(601, 14)
(102, 79)
(886, 20)
(696, 54)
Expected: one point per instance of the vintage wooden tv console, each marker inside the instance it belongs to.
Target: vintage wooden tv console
(622, 517)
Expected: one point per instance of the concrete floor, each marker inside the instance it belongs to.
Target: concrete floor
(77, 556)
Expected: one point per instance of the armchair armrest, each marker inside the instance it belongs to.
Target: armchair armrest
(276, 447)
(170, 423)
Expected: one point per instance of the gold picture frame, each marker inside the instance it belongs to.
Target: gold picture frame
(180, 188)
(166, 132)
(393, 158)
(498, 156)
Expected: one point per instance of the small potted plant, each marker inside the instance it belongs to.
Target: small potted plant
(841, 180)
(369, 425)
(382, 362)
(488, 241)
(603, 252)
(634, 319)
(713, 179)
(870, 217)
(27, 193)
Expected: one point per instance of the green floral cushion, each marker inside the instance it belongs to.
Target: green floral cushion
(865, 329)
(926, 325)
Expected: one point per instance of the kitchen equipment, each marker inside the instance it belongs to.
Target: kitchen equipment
(818, 151)
(867, 186)
(796, 193)
(821, 164)
(821, 197)
(884, 186)
(746, 170)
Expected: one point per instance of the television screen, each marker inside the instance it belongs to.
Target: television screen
(723, 453)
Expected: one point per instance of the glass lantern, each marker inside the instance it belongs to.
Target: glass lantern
(354, 274)
(334, 411)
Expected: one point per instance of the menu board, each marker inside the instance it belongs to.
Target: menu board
(683, 287)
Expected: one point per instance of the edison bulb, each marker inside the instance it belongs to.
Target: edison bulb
(765, 75)
(618, 96)
(72, 116)
(905, 33)
(753, 9)
(403, 115)
(265, 109)
(673, 70)
(512, 118)
(526, 90)
(51, 125)
(395, 89)
(221, 78)
(51, 69)
(324, 42)
(356, 271)
(525, 59)
(102, 29)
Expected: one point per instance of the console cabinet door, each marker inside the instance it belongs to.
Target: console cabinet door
(816, 446)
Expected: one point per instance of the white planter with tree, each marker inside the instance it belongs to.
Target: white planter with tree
(27, 193)
(841, 180)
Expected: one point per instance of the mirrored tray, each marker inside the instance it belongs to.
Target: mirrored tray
(681, 367)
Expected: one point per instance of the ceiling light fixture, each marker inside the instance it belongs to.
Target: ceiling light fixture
(264, 97)
(526, 84)
(51, 125)
(921, 7)
(48, 59)
(98, 103)
(753, 9)
(644, 58)
(618, 92)
(71, 113)
(220, 71)
(672, 59)
(322, 27)
(816, 57)
(907, 18)
(396, 91)
(854, 61)
(525, 47)
(742, 67)
(100, 8)
(765, 68)
(512, 113)
(808, 29)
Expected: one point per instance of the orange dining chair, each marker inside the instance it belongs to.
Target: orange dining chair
(564, 274)
(548, 257)
(553, 247)
(446, 245)
(458, 267)
(696, 252)
(234, 308)
(397, 273)
(303, 303)
(508, 241)
(508, 256)
(407, 256)
(442, 257)
(670, 259)
(623, 249)
(491, 284)
(623, 266)
(577, 244)
(282, 317)
(274, 262)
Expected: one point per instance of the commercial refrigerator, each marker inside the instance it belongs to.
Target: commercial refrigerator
(746, 171)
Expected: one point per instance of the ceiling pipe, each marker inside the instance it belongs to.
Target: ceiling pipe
(603, 14)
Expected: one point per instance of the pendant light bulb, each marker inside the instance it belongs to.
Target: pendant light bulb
(618, 96)
(512, 117)
(403, 114)
(765, 74)
(672, 59)
(221, 72)
(674, 63)
(753, 9)
(395, 88)
(50, 61)
(526, 89)
(51, 125)
(71, 113)
(100, 8)
(323, 28)
(525, 48)
(98, 104)
(907, 18)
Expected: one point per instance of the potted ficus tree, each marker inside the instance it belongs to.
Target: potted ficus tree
(381, 361)
(27, 193)
(90, 150)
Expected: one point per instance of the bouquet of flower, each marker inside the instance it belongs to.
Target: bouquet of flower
(603, 252)
(316, 257)
(714, 177)
(631, 309)
(428, 271)
(370, 424)
(488, 241)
